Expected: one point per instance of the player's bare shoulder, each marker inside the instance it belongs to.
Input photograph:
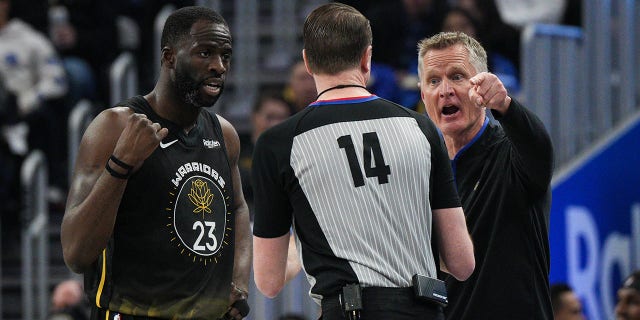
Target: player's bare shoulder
(106, 127)
(116, 115)
(231, 138)
(227, 127)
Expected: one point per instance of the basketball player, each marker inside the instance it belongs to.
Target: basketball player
(156, 219)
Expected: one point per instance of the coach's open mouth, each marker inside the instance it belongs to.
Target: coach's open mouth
(450, 110)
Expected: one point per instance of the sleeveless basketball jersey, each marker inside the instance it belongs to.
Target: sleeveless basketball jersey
(171, 252)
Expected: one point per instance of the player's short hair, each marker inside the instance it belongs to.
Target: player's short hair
(179, 23)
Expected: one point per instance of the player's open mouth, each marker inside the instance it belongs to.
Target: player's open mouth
(212, 88)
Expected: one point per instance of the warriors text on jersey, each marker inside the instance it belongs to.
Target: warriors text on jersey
(171, 252)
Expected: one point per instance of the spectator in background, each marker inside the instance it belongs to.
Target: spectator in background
(459, 19)
(84, 32)
(301, 89)
(269, 109)
(144, 13)
(82, 83)
(68, 302)
(398, 27)
(520, 13)
(628, 306)
(517, 14)
(499, 36)
(383, 83)
(396, 30)
(565, 303)
(383, 78)
(32, 115)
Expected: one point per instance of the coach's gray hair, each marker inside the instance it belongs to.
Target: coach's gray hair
(443, 40)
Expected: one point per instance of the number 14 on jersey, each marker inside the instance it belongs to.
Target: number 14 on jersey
(371, 151)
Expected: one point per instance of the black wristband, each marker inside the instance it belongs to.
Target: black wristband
(121, 164)
(117, 174)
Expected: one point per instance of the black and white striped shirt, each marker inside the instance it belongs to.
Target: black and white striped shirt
(358, 179)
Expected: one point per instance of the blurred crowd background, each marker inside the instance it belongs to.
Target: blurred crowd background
(56, 54)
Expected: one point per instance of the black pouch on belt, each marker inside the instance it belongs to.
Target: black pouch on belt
(430, 289)
(351, 300)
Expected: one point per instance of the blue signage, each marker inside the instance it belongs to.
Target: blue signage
(595, 221)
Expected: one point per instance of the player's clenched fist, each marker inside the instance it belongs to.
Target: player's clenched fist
(138, 140)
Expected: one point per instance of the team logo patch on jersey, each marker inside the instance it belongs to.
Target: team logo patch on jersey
(199, 219)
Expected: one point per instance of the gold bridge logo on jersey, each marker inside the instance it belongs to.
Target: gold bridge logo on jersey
(211, 144)
(199, 217)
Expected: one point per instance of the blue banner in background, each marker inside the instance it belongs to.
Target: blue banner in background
(595, 221)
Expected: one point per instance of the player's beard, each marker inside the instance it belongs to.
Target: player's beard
(189, 90)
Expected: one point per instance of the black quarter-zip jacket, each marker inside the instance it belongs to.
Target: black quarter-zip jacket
(503, 178)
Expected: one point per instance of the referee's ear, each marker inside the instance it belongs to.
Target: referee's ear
(306, 62)
(365, 60)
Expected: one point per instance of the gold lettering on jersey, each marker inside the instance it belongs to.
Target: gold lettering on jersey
(201, 197)
(197, 167)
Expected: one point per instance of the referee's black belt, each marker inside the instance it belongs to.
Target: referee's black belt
(381, 294)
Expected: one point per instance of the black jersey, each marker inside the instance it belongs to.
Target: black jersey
(358, 177)
(171, 253)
